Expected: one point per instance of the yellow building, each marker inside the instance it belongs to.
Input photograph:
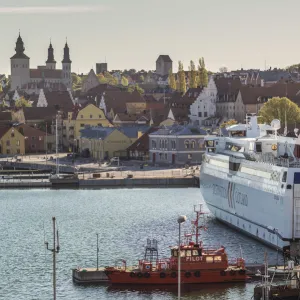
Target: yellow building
(90, 115)
(12, 142)
(104, 143)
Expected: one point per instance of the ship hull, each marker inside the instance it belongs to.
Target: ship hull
(170, 278)
(250, 211)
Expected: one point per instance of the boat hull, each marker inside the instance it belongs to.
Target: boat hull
(169, 278)
(241, 208)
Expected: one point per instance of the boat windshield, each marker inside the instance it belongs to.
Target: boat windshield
(233, 147)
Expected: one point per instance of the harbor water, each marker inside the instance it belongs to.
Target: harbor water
(124, 219)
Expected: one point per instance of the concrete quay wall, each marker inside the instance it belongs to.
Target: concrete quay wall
(135, 182)
(24, 184)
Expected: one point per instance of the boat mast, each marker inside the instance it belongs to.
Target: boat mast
(199, 213)
(56, 139)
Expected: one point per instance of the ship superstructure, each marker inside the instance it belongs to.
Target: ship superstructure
(250, 180)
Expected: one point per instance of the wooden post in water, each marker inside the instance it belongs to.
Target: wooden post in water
(97, 252)
(54, 251)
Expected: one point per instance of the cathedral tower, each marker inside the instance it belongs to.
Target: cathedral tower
(19, 64)
(50, 63)
(66, 68)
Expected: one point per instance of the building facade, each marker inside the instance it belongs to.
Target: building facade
(101, 68)
(47, 76)
(205, 104)
(163, 65)
(177, 145)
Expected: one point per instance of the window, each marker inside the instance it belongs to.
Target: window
(173, 145)
(18, 143)
(91, 116)
(18, 151)
(81, 125)
(187, 144)
(8, 143)
(33, 138)
(193, 144)
(33, 146)
(166, 156)
(199, 114)
(7, 151)
(100, 117)
(81, 116)
(190, 156)
(12, 134)
(205, 114)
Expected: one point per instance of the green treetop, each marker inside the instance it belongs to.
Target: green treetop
(124, 81)
(193, 75)
(282, 109)
(203, 76)
(22, 102)
(181, 78)
(172, 80)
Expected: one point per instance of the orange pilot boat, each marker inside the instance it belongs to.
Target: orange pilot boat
(198, 264)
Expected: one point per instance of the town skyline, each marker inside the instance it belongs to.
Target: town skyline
(124, 45)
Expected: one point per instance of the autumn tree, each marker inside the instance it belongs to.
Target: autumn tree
(22, 102)
(281, 109)
(172, 80)
(193, 75)
(124, 81)
(228, 123)
(203, 76)
(110, 79)
(181, 78)
(136, 87)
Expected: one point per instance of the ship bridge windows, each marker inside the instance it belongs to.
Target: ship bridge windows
(234, 148)
(240, 133)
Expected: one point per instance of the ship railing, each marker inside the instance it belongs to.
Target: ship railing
(239, 262)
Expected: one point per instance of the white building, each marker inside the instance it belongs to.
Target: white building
(48, 77)
(205, 104)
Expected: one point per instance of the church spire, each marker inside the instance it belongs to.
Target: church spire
(66, 54)
(50, 54)
(20, 48)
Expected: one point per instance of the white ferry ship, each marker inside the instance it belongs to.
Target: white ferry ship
(250, 180)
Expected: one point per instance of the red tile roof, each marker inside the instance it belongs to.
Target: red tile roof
(142, 144)
(45, 73)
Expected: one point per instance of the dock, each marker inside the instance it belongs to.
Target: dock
(89, 275)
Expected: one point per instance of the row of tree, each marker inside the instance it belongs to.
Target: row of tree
(195, 77)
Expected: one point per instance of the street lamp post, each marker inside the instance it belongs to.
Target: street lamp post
(181, 219)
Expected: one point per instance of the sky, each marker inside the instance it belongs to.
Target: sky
(133, 33)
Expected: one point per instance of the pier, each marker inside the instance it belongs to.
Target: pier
(104, 179)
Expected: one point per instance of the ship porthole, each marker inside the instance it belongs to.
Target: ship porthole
(173, 275)
(162, 275)
(188, 274)
(147, 275)
(223, 273)
(232, 273)
(197, 274)
(132, 274)
(139, 275)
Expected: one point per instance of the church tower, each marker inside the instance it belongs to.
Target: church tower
(66, 68)
(51, 63)
(19, 64)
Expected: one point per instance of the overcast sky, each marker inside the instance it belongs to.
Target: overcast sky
(132, 33)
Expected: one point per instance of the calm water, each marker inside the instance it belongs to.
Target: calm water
(124, 218)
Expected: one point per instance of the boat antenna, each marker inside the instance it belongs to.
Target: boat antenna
(54, 250)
